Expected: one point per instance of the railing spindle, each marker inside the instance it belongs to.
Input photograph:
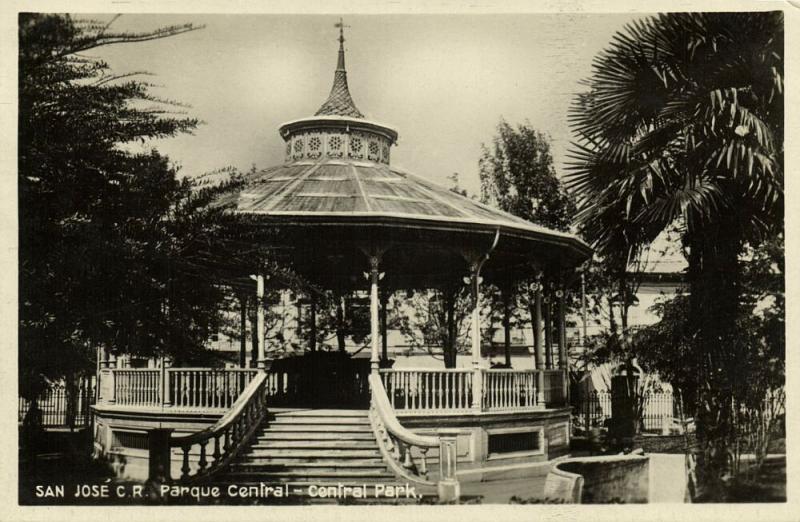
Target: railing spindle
(185, 468)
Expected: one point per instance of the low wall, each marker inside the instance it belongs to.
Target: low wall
(121, 438)
(550, 427)
(605, 480)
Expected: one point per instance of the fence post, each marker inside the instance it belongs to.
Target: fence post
(477, 389)
(165, 387)
(587, 406)
(448, 486)
(112, 388)
(159, 460)
(540, 386)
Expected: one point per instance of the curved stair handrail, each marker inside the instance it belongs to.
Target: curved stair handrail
(229, 434)
(396, 443)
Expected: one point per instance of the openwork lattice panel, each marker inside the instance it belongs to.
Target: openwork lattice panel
(298, 146)
(374, 150)
(385, 153)
(335, 146)
(357, 145)
(314, 145)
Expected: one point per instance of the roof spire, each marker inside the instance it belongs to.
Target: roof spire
(340, 63)
(339, 102)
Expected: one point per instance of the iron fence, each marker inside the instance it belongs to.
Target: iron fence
(594, 408)
(57, 410)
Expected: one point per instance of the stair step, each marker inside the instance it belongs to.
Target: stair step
(311, 451)
(294, 419)
(266, 471)
(300, 435)
(339, 428)
(319, 413)
(286, 463)
(313, 444)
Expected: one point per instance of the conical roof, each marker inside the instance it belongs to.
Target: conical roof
(330, 189)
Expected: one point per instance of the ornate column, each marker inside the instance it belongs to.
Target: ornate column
(477, 377)
(374, 277)
(506, 290)
(537, 343)
(563, 360)
(384, 301)
(261, 362)
(476, 261)
(243, 331)
(548, 328)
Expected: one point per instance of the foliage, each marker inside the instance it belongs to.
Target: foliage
(115, 249)
(757, 347)
(339, 317)
(682, 123)
(437, 321)
(517, 176)
(682, 120)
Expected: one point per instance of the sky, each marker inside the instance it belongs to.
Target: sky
(443, 81)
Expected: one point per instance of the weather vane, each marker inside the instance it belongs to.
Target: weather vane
(341, 26)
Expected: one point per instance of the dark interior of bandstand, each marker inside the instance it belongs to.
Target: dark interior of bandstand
(349, 256)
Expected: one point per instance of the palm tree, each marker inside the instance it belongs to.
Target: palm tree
(682, 124)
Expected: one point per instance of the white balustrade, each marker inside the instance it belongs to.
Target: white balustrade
(417, 391)
(206, 388)
(509, 389)
(217, 445)
(428, 390)
(137, 387)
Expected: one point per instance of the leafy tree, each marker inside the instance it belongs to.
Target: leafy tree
(517, 176)
(682, 122)
(115, 249)
(437, 321)
(338, 318)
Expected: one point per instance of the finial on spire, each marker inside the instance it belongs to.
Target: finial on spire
(341, 26)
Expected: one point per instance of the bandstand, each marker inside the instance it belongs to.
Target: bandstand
(348, 220)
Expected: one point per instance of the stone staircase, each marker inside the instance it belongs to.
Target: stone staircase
(318, 456)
